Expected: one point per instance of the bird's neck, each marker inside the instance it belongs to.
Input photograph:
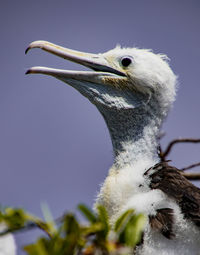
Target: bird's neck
(134, 134)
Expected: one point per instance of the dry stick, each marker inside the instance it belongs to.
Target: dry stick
(41, 226)
(33, 225)
(24, 228)
(191, 176)
(164, 154)
(191, 166)
(28, 226)
(173, 142)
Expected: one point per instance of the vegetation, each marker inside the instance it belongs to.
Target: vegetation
(67, 236)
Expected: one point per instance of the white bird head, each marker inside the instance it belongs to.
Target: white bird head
(123, 78)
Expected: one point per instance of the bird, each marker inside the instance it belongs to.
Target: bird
(134, 90)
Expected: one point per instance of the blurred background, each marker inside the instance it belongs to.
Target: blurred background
(54, 144)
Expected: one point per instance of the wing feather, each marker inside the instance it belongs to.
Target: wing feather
(170, 180)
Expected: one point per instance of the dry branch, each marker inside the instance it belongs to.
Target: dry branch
(175, 141)
(191, 176)
(190, 166)
(164, 153)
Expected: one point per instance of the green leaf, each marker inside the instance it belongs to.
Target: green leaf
(89, 215)
(133, 230)
(14, 218)
(103, 218)
(122, 221)
(71, 225)
(48, 218)
(37, 249)
(102, 214)
(72, 234)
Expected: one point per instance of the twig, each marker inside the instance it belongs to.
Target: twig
(164, 154)
(191, 176)
(190, 166)
(43, 227)
(33, 224)
(28, 226)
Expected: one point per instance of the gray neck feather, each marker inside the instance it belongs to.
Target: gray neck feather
(134, 133)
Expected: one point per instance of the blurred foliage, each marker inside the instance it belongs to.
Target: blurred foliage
(67, 236)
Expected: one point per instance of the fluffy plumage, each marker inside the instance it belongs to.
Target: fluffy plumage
(134, 89)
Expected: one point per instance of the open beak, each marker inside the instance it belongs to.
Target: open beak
(102, 70)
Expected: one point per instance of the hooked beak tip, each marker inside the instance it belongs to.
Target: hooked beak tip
(35, 44)
(27, 50)
(29, 71)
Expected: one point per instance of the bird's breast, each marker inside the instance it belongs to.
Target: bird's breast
(128, 189)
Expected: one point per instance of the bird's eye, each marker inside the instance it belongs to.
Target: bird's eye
(126, 61)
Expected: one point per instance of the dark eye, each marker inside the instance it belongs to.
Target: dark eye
(126, 61)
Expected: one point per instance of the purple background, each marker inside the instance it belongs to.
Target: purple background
(54, 145)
